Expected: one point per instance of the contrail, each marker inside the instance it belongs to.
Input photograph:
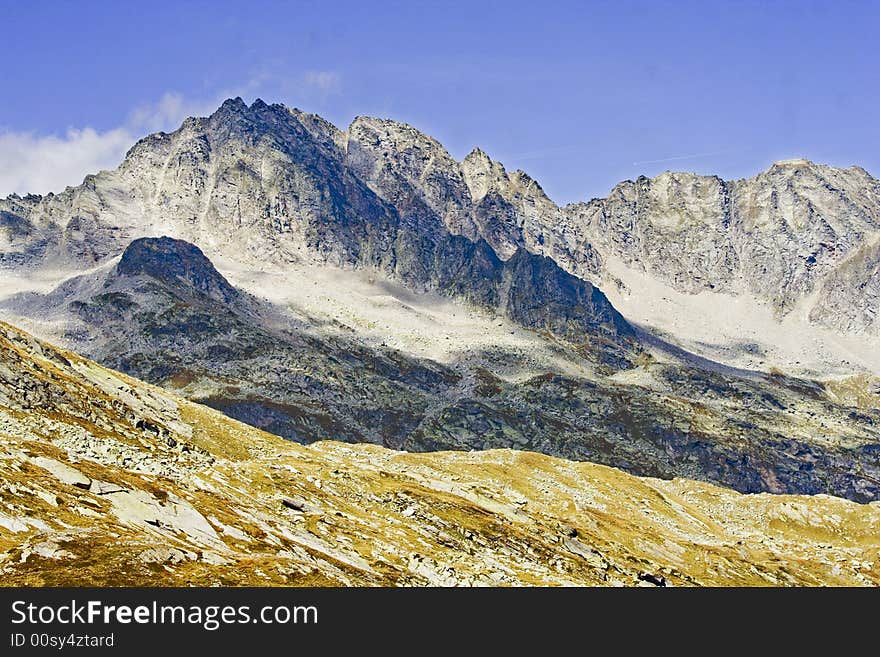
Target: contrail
(687, 157)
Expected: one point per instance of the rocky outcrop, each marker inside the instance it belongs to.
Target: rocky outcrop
(513, 212)
(781, 236)
(538, 294)
(849, 297)
(175, 262)
(411, 171)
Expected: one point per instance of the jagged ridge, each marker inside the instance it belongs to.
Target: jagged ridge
(263, 181)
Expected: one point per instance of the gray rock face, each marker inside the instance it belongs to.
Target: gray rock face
(251, 183)
(849, 297)
(538, 294)
(171, 260)
(795, 229)
(265, 182)
(476, 198)
(411, 171)
(673, 226)
(513, 211)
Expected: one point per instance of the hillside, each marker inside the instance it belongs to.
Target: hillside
(108, 480)
(165, 315)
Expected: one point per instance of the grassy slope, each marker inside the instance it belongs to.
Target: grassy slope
(366, 515)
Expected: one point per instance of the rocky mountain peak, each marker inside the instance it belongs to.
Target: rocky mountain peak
(777, 236)
(477, 153)
(175, 262)
(231, 105)
(529, 185)
(319, 127)
(236, 103)
(410, 169)
(390, 131)
(482, 174)
(231, 112)
(234, 115)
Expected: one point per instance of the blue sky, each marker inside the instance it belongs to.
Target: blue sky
(579, 94)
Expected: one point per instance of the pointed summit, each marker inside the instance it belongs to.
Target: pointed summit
(233, 111)
(477, 154)
(233, 105)
(482, 174)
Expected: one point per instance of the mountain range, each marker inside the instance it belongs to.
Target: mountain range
(364, 286)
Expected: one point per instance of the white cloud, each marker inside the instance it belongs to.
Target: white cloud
(40, 164)
(32, 163)
(324, 81)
